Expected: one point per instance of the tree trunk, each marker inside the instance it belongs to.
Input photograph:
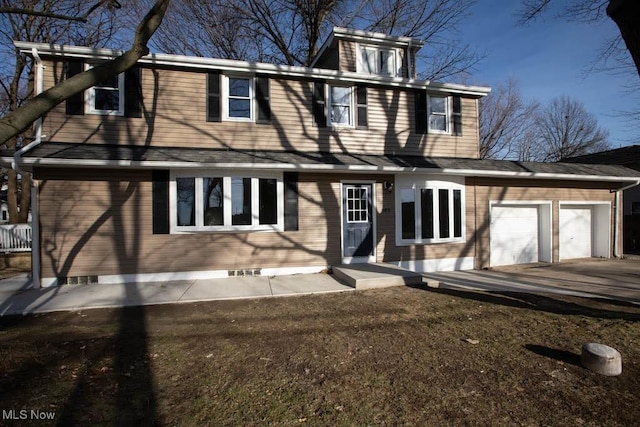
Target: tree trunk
(626, 13)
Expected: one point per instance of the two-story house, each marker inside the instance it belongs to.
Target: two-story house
(189, 167)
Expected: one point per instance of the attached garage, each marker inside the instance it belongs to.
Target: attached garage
(584, 230)
(520, 233)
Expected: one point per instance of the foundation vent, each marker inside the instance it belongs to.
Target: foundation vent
(246, 272)
(78, 280)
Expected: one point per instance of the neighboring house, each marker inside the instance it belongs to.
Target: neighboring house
(187, 167)
(629, 157)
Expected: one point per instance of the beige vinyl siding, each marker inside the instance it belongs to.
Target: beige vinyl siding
(347, 52)
(95, 224)
(175, 101)
(488, 190)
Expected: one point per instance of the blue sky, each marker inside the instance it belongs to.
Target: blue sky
(550, 57)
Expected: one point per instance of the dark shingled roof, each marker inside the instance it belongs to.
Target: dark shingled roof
(619, 156)
(72, 151)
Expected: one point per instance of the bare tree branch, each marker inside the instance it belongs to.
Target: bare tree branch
(47, 14)
(563, 128)
(18, 120)
(504, 118)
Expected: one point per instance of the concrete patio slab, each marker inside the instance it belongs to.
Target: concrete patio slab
(615, 279)
(379, 275)
(299, 283)
(231, 288)
(16, 283)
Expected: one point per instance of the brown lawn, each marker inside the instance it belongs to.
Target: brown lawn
(381, 357)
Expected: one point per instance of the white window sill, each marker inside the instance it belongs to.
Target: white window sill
(275, 228)
(438, 132)
(430, 241)
(238, 119)
(106, 113)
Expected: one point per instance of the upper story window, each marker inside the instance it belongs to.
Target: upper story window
(120, 96)
(239, 91)
(209, 201)
(377, 60)
(106, 97)
(238, 98)
(438, 113)
(341, 105)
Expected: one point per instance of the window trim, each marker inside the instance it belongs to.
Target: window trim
(226, 175)
(329, 105)
(396, 68)
(433, 183)
(224, 93)
(90, 96)
(447, 114)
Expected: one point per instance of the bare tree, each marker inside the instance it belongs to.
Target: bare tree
(22, 116)
(505, 116)
(625, 13)
(45, 21)
(291, 31)
(563, 129)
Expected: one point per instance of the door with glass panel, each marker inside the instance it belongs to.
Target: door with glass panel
(357, 220)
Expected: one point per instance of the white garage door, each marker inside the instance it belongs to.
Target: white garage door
(514, 234)
(575, 232)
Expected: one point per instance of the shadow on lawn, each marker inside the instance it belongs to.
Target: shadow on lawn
(556, 354)
(546, 303)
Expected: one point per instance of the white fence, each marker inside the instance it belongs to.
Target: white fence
(15, 238)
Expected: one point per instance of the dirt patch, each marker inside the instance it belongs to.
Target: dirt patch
(390, 356)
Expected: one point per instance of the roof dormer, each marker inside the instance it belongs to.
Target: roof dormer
(368, 53)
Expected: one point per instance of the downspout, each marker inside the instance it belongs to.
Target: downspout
(616, 224)
(39, 88)
(15, 164)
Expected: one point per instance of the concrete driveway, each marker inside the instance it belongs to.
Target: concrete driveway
(616, 279)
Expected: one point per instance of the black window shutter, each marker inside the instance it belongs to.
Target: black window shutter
(361, 100)
(160, 201)
(263, 100)
(421, 111)
(75, 104)
(319, 111)
(213, 97)
(457, 115)
(132, 92)
(290, 201)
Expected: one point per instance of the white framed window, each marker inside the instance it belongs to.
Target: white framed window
(340, 105)
(106, 98)
(238, 95)
(209, 201)
(377, 60)
(438, 115)
(429, 211)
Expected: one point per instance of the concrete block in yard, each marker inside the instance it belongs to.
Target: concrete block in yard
(601, 359)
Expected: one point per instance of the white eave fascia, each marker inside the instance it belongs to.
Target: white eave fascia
(233, 66)
(367, 36)
(29, 163)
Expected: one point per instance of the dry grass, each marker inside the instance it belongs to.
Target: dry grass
(384, 357)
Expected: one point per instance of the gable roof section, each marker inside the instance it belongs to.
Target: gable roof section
(227, 65)
(340, 33)
(52, 154)
(620, 156)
